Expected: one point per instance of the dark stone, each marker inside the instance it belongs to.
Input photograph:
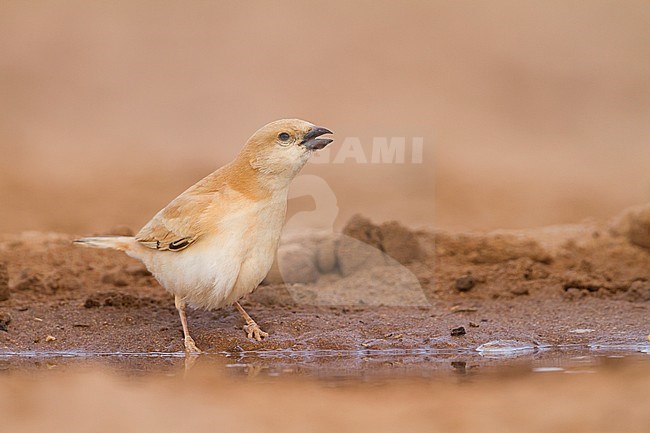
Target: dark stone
(457, 332)
(519, 291)
(5, 320)
(92, 303)
(465, 284)
(459, 366)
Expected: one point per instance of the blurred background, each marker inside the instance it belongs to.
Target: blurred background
(531, 113)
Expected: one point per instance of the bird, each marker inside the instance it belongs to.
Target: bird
(216, 242)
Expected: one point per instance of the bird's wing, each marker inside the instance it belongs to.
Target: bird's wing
(181, 223)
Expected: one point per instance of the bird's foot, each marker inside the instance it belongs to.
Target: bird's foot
(253, 330)
(190, 345)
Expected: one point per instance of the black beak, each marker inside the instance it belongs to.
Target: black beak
(311, 141)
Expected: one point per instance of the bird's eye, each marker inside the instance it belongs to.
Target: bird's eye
(284, 136)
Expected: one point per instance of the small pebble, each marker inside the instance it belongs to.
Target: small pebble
(50, 338)
(473, 325)
(461, 309)
(5, 320)
(459, 366)
(465, 284)
(92, 303)
(456, 332)
(519, 291)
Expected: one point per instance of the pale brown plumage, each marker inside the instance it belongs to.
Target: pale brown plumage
(215, 242)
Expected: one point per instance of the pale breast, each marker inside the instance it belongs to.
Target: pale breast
(222, 267)
(259, 256)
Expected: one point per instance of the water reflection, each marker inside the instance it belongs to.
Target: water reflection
(364, 363)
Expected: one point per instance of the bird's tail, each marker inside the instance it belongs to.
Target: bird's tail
(121, 243)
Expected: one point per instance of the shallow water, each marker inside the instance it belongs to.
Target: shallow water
(497, 356)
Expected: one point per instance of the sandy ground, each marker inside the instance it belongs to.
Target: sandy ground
(531, 286)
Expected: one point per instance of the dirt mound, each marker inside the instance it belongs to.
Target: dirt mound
(392, 238)
(597, 260)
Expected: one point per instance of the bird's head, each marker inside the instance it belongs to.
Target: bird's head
(283, 147)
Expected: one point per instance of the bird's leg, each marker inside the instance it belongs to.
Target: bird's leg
(252, 329)
(190, 346)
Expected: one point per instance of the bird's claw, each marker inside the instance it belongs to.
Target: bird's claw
(190, 345)
(254, 331)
